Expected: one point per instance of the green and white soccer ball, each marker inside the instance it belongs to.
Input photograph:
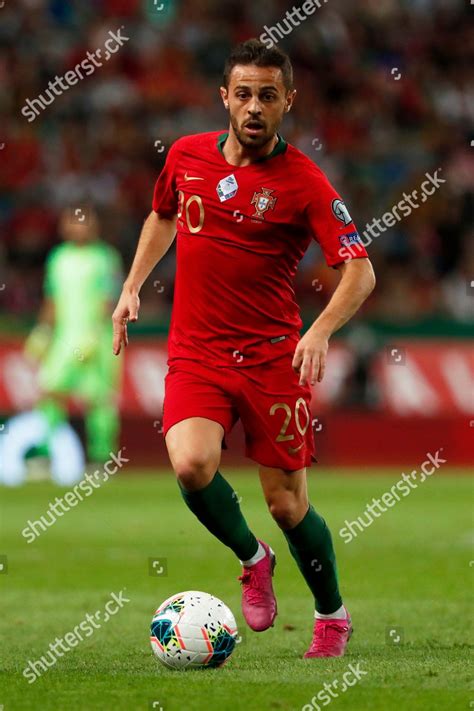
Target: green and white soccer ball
(193, 630)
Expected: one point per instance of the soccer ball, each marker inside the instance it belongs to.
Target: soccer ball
(193, 630)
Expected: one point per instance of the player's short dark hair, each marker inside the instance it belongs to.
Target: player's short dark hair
(253, 51)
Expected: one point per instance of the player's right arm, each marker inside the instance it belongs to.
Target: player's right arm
(156, 238)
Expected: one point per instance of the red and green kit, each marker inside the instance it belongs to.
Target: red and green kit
(241, 233)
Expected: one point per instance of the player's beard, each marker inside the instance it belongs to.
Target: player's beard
(256, 142)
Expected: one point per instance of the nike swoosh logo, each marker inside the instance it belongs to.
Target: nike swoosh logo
(187, 177)
(294, 450)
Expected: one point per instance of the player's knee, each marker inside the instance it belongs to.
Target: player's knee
(285, 508)
(194, 470)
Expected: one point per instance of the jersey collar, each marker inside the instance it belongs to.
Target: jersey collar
(280, 147)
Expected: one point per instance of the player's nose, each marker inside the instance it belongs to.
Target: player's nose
(254, 108)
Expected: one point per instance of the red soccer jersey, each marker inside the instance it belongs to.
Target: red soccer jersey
(241, 234)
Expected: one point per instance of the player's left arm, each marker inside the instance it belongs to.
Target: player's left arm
(357, 282)
(39, 340)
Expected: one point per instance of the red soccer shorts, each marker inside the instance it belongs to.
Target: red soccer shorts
(274, 409)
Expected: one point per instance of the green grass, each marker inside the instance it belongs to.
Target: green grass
(410, 570)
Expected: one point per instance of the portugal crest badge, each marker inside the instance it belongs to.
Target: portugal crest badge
(263, 201)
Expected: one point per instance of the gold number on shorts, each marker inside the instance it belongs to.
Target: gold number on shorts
(300, 403)
(283, 437)
(194, 229)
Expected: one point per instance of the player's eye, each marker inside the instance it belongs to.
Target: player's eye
(269, 97)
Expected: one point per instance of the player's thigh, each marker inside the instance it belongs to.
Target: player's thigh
(197, 413)
(60, 372)
(94, 385)
(194, 446)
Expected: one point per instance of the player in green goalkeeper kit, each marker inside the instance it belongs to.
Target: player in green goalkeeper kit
(72, 338)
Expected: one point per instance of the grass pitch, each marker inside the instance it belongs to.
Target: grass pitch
(406, 581)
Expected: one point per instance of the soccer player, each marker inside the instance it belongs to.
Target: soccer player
(72, 338)
(245, 206)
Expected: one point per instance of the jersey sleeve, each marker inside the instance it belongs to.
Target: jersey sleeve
(165, 196)
(330, 223)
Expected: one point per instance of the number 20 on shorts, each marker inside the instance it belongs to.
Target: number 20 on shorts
(300, 404)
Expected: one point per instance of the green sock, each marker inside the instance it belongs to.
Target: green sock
(217, 508)
(311, 546)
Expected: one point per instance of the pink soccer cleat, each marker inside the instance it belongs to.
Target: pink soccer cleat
(330, 638)
(258, 599)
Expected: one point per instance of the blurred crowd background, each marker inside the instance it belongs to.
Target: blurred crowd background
(385, 94)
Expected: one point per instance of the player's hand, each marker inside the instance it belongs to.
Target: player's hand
(38, 342)
(310, 357)
(126, 310)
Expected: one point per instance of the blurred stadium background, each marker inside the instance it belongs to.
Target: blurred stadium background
(385, 94)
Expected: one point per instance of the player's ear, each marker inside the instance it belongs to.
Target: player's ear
(290, 97)
(225, 96)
